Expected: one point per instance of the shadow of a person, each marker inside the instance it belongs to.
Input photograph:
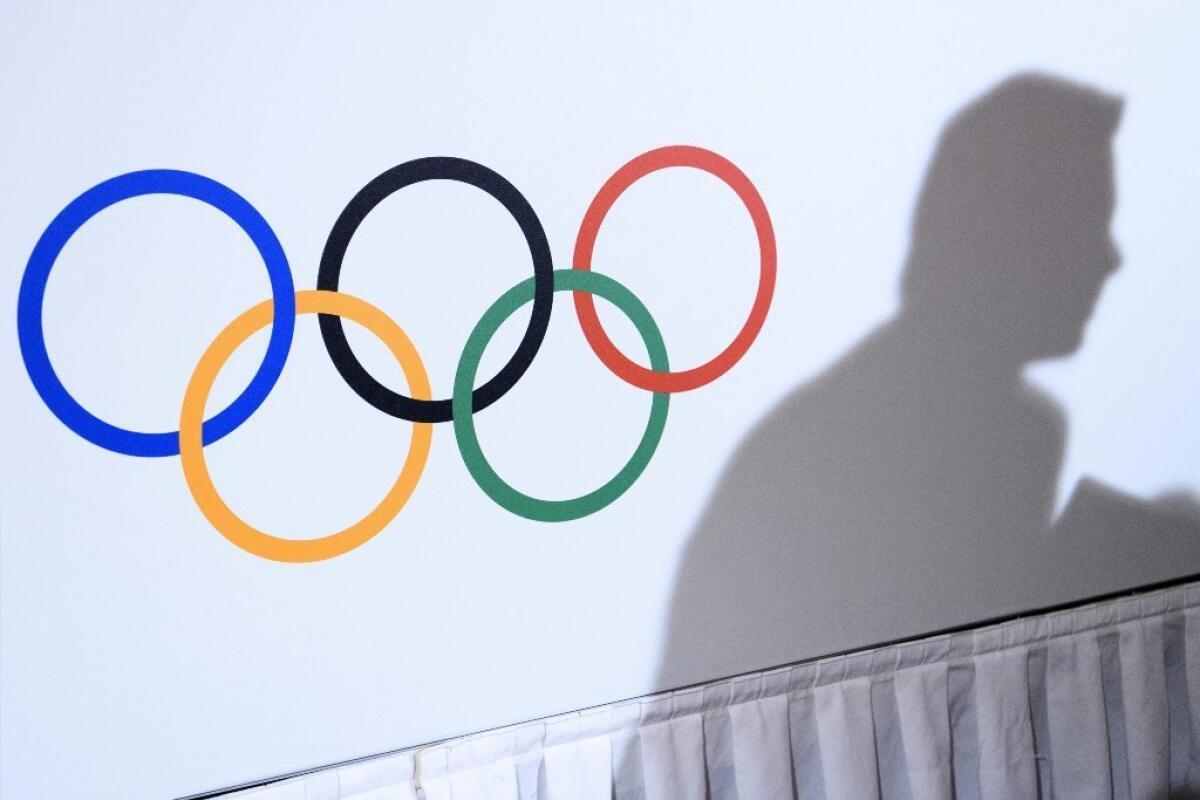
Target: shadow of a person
(911, 486)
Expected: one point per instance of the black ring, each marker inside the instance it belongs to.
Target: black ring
(371, 195)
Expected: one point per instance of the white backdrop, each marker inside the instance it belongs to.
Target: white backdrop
(142, 655)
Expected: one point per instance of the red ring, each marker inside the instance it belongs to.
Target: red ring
(585, 307)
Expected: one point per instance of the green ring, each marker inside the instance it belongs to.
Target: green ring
(565, 280)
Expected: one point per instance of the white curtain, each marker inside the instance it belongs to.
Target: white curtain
(1096, 703)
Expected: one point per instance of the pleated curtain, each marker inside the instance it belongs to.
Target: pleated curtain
(1096, 703)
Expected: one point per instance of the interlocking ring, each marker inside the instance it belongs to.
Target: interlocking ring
(191, 449)
(464, 423)
(374, 193)
(652, 379)
(33, 293)
(331, 305)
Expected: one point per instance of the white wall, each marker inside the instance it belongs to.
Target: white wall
(142, 655)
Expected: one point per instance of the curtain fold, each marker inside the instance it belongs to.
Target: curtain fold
(1100, 702)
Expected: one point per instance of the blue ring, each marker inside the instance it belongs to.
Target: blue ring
(51, 243)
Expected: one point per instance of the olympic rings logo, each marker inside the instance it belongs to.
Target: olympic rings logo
(419, 407)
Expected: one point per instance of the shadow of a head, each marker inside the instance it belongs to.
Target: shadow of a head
(1010, 239)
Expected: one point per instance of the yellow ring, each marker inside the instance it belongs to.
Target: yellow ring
(191, 420)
